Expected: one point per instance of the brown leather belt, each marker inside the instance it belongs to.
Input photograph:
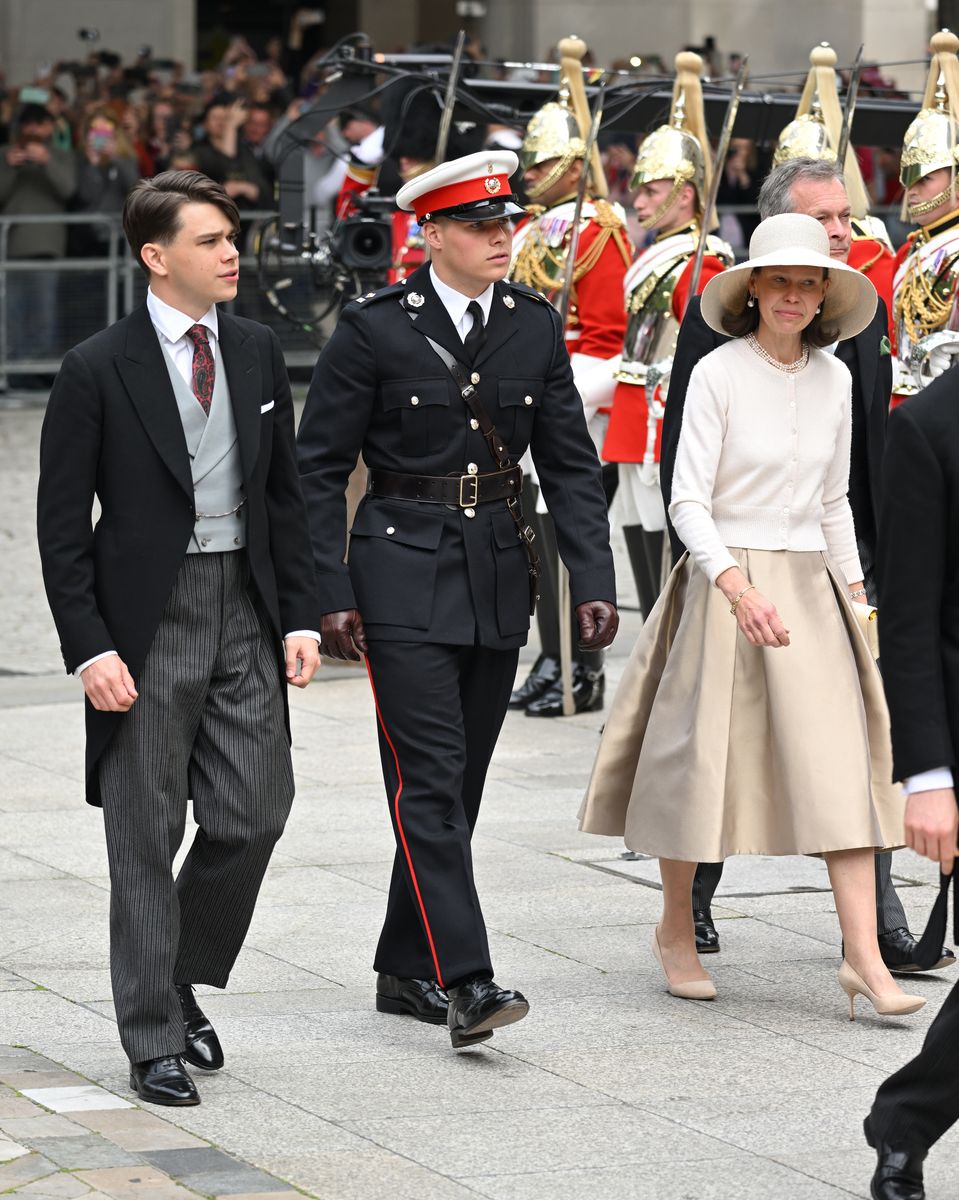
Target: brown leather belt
(457, 491)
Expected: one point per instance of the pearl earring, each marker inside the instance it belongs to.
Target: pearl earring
(818, 310)
(751, 302)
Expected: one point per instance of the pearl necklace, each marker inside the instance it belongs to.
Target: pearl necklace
(789, 368)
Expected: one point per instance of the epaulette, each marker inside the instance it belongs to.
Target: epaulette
(523, 290)
(384, 293)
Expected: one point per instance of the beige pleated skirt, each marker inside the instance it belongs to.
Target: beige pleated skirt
(715, 747)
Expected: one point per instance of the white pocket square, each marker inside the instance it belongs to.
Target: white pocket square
(266, 407)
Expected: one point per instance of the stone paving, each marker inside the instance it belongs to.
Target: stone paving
(610, 1088)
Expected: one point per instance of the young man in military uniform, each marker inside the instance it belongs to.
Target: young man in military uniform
(926, 283)
(672, 178)
(443, 383)
(553, 160)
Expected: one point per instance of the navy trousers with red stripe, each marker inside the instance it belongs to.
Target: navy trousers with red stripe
(439, 712)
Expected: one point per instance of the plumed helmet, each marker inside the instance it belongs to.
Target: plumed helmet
(553, 132)
(931, 140)
(675, 151)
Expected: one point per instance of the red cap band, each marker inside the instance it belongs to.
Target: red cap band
(485, 187)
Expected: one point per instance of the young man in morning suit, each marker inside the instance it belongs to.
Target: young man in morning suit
(174, 610)
(814, 187)
(437, 589)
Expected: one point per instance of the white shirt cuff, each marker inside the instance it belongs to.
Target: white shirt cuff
(929, 781)
(96, 658)
(309, 633)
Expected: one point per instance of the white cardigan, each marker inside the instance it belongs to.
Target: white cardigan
(763, 460)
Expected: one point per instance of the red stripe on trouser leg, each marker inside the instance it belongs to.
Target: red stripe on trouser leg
(399, 826)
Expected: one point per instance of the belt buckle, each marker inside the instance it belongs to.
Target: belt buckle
(470, 501)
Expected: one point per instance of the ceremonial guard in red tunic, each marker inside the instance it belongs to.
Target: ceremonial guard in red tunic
(926, 284)
(553, 160)
(672, 178)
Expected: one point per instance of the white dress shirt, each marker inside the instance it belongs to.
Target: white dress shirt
(171, 327)
(456, 304)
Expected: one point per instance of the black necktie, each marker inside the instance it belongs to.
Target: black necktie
(474, 340)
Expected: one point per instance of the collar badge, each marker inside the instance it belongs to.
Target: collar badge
(415, 300)
(509, 301)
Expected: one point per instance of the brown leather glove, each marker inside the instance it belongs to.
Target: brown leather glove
(598, 621)
(342, 634)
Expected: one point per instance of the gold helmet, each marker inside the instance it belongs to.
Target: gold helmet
(676, 151)
(817, 127)
(553, 132)
(931, 140)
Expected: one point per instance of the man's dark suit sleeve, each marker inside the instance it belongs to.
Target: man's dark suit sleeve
(69, 456)
(696, 339)
(910, 571)
(338, 409)
(286, 511)
(570, 476)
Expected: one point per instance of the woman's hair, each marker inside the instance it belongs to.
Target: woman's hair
(152, 209)
(102, 112)
(816, 332)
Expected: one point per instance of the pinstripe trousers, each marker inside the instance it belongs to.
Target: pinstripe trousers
(208, 726)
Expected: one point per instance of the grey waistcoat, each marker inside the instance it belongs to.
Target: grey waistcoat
(214, 463)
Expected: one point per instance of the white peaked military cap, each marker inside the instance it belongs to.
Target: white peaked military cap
(475, 187)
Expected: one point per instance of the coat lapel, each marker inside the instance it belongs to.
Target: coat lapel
(144, 374)
(502, 323)
(242, 363)
(430, 317)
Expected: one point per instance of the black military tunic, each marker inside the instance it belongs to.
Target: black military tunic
(443, 592)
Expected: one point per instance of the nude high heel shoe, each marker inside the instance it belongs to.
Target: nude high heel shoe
(696, 989)
(892, 1004)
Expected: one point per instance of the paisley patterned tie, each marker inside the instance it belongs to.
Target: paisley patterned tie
(202, 366)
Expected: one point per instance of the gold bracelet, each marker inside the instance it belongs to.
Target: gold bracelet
(735, 604)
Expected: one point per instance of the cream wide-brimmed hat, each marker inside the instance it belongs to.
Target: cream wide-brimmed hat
(793, 240)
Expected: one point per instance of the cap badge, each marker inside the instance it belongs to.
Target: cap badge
(415, 300)
(493, 185)
(509, 301)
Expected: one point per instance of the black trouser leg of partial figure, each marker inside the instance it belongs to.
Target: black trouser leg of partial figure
(439, 711)
(705, 882)
(208, 723)
(890, 914)
(645, 551)
(920, 1102)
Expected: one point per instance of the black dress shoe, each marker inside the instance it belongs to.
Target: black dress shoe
(163, 1081)
(707, 939)
(898, 950)
(588, 689)
(544, 674)
(478, 1007)
(203, 1047)
(420, 998)
(898, 1172)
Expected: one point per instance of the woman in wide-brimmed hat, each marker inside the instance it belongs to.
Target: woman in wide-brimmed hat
(750, 718)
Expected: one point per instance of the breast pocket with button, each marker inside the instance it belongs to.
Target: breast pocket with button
(422, 406)
(392, 560)
(519, 400)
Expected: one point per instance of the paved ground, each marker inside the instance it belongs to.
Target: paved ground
(610, 1088)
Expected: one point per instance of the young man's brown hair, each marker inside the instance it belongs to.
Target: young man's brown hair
(152, 209)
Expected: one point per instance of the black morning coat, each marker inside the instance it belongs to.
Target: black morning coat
(422, 572)
(871, 368)
(918, 578)
(112, 430)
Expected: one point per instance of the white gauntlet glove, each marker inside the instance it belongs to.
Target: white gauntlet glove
(933, 355)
